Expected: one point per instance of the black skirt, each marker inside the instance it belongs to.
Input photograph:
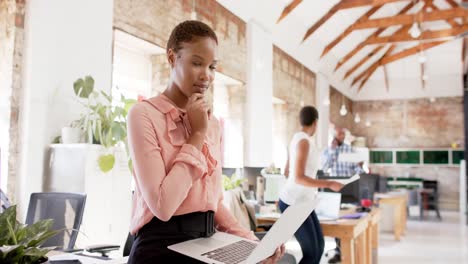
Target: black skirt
(152, 240)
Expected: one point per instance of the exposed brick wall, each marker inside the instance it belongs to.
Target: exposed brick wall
(416, 123)
(294, 84)
(153, 21)
(412, 123)
(336, 100)
(16, 99)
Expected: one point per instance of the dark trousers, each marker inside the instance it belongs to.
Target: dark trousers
(150, 245)
(310, 237)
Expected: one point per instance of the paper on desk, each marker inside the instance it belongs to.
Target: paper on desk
(354, 157)
(348, 181)
(86, 259)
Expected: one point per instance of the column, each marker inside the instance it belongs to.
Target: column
(259, 97)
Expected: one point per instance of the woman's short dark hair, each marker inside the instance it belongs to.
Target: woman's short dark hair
(186, 32)
(308, 115)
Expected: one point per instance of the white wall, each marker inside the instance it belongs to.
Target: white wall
(259, 99)
(7, 40)
(64, 40)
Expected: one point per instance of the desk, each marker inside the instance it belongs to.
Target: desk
(372, 235)
(398, 201)
(352, 233)
(57, 255)
(358, 236)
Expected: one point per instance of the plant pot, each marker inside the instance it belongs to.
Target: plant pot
(71, 135)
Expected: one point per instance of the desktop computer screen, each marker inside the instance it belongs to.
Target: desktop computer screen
(350, 193)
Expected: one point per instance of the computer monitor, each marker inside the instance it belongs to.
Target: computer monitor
(350, 193)
(368, 185)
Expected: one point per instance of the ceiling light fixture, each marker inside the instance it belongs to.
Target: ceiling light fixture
(357, 118)
(193, 15)
(368, 123)
(422, 58)
(343, 110)
(415, 31)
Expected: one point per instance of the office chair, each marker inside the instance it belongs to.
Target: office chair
(66, 209)
(429, 198)
(4, 202)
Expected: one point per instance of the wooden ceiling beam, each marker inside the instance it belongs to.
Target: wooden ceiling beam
(452, 22)
(411, 51)
(348, 31)
(425, 35)
(362, 61)
(358, 3)
(410, 19)
(387, 58)
(345, 4)
(452, 3)
(348, 56)
(367, 73)
(288, 9)
(322, 20)
(367, 78)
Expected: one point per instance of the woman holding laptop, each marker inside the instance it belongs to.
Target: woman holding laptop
(175, 147)
(301, 186)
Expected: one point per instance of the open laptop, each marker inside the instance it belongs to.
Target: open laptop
(223, 248)
(329, 206)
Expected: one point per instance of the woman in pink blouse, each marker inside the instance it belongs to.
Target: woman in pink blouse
(175, 146)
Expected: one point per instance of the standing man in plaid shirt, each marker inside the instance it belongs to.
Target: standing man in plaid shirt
(330, 157)
(330, 161)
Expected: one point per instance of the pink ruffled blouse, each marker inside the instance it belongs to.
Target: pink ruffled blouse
(172, 177)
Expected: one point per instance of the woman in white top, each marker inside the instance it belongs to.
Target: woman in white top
(302, 184)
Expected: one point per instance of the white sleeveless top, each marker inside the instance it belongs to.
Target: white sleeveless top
(293, 192)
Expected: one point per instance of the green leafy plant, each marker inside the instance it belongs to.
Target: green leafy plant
(22, 243)
(232, 182)
(105, 119)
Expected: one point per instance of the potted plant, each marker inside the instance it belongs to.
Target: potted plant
(105, 120)
(22, 243)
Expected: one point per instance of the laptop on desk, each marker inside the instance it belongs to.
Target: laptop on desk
(223, 248)
(328, 209)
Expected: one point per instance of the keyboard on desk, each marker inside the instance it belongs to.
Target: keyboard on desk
(233, 253)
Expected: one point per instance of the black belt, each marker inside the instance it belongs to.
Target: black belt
(197, 224)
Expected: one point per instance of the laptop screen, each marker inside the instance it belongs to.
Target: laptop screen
(329, 205)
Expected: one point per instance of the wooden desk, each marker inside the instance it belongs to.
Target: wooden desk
(352, 233)
(398, 201)
(372, 235)
(358, 236)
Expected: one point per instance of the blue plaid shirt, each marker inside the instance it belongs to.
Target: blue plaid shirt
(330, 161)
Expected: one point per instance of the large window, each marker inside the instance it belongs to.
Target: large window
(438, 156)
(385, 157)
(133, 67)
(228, 108)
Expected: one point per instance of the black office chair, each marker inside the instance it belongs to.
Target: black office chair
(4, 202)
(66, 209)
(429, 198)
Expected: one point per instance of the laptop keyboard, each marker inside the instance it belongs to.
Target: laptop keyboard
(233, 253)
